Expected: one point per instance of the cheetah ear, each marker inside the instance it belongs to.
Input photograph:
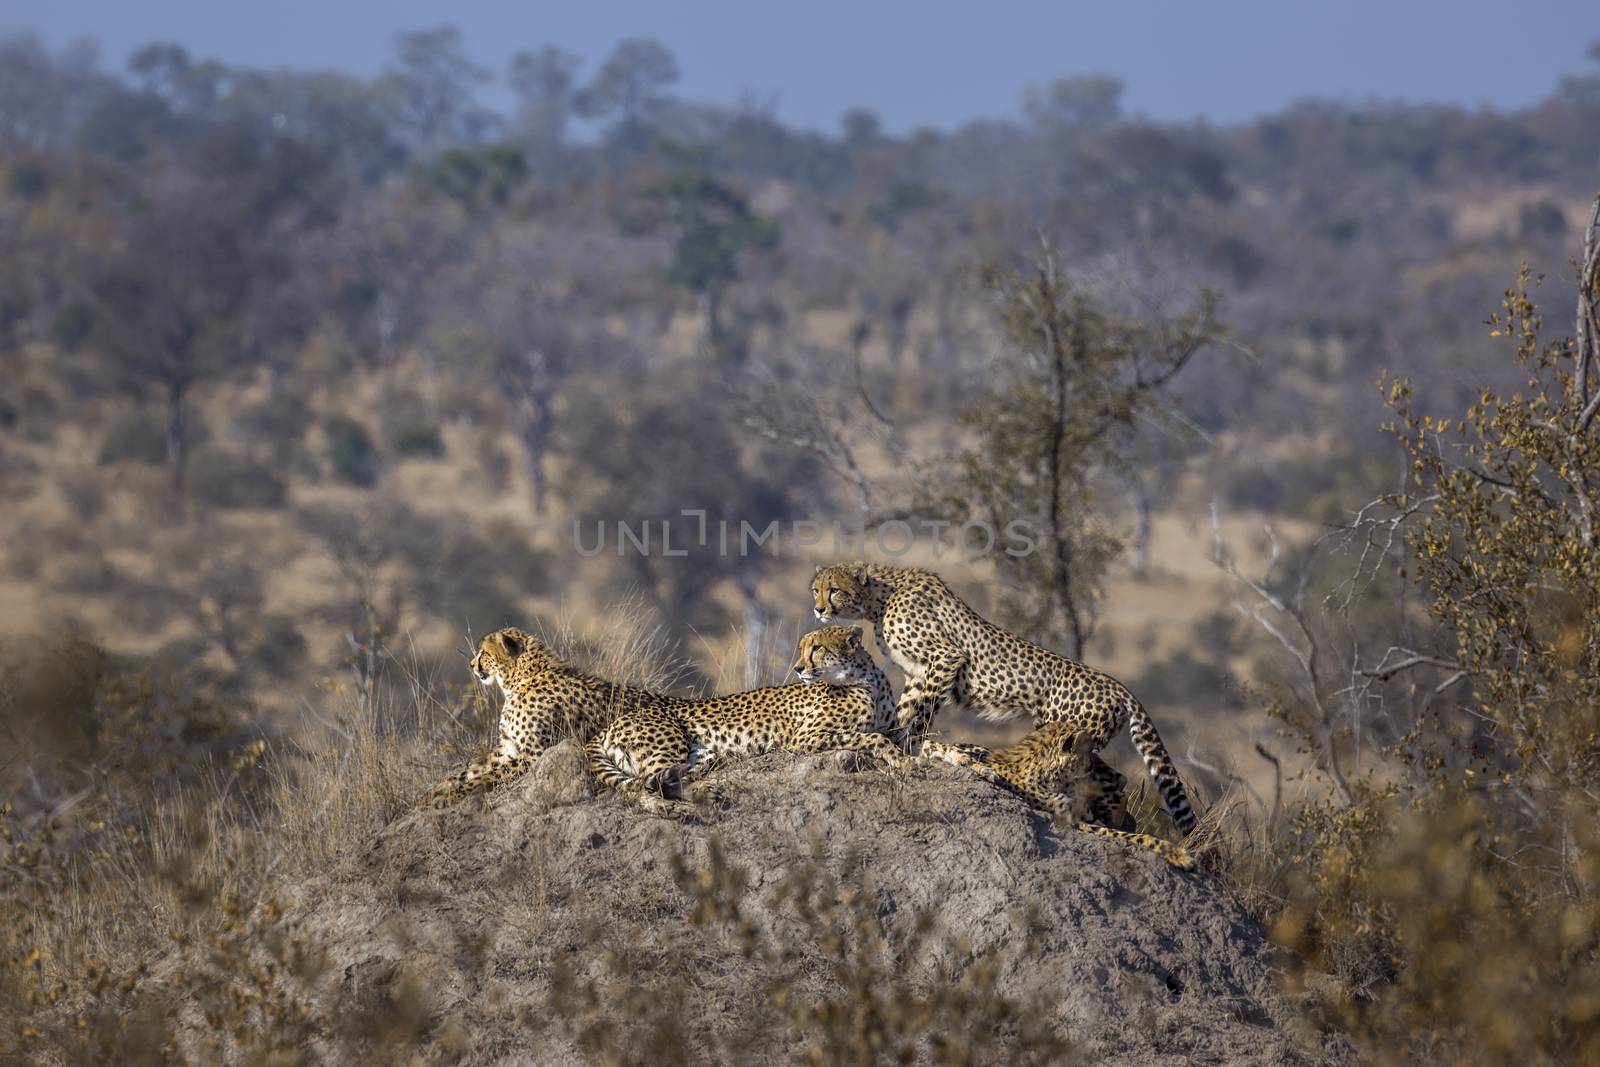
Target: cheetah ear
(819, 570)
(511, 642)
(1079, 744)
(859, 573)
(855, 636)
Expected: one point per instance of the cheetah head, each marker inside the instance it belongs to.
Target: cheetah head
(833, 654)
(499, 652)
(1064, 744)
(839, 592)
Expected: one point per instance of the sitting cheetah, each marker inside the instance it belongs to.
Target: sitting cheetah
(1051, 768)
(951, 653)
(843, 701)
(546, 700)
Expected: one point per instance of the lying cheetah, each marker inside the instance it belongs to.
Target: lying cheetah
(843, 702)
(1105, 790)
(1051, 768)
(951, 653)
(546, 700)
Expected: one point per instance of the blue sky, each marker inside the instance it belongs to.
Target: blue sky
(921, 62)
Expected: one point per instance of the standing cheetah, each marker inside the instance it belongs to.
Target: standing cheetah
(951, 653)
(546, 700)
(843, 701)
(1052, 768)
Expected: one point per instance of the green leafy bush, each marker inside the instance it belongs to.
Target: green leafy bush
(415, 438)
(352, 456)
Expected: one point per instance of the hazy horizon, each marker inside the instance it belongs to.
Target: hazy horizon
(926, 64)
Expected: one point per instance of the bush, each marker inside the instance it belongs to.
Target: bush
(230, 480)
(91, 890)
(278, 422)
(72, 324)
(416, 439)
(1440, 943)
(84, 494)
(1450, 878)
(76, 712)
(409, 429)
(135, 436)
(1541, 218)
(351, 453)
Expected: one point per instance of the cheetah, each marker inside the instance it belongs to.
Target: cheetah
(1106, 791)
(951, 653)
(546, 700)
(1051, 768)
(842, 702)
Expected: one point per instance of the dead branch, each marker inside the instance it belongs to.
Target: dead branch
(1290, 629)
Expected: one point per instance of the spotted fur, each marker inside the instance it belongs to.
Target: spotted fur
(950, 653)
(1105, 788)
(1054, 768)
(842, 702)
(546, 700)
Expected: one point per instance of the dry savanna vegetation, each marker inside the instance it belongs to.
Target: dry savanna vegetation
(307, 380)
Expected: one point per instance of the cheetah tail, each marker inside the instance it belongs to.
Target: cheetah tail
(1173, 796)
(605, 767)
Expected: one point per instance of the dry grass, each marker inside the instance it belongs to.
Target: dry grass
(97, 885)
(101, 883)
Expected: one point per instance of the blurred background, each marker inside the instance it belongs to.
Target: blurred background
(321, 326)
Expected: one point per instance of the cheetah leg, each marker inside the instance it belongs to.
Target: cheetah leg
(925, 694)
(883, 646)
(960, 755)
(645, 749)
(857, 741)
(1108, 805)
(1176, 855)
(696, 766)
(501, 765)
(1065, 810)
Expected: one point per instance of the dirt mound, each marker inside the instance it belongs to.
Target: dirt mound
(535, 926)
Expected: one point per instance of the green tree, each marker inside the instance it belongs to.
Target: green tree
(1060, 411)
(431, 91)
(631, 84)
(169, 298)
(544, 84)
(1067, 105)
(716, 229)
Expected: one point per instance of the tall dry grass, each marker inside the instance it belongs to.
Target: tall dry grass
(98, 884)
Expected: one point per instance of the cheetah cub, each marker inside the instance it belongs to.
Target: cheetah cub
(842, 702)
(1054, 768)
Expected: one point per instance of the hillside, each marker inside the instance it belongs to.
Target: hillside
(550, 918)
